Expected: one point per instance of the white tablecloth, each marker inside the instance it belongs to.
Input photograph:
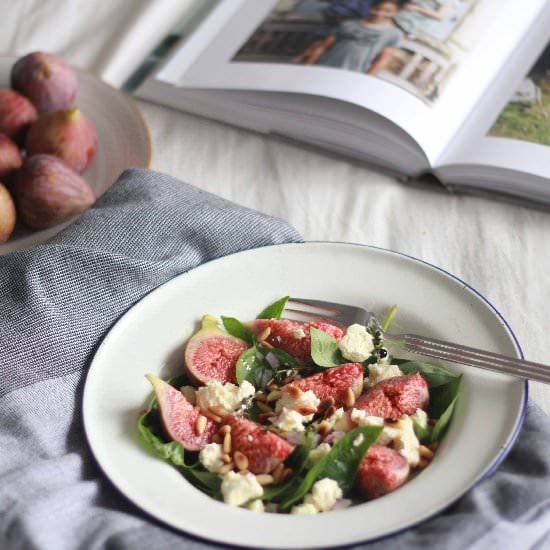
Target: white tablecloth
(501, 249)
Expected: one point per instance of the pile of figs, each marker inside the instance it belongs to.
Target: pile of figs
(46, 143)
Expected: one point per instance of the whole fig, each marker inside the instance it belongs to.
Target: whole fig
(7, 214)
(10, 158)
(49, 192)
(67, 134)
(16, 113)
(46, 79)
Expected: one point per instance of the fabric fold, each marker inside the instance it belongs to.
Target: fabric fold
(59, 299)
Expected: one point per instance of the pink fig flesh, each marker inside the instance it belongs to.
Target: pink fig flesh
(180, 418)
(7, 214)
(17, 113)
(10, 157)
(47, 80)
(213, 357)
(68, 134)
(49, 192)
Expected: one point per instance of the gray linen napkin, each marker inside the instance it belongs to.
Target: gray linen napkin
(58, 300)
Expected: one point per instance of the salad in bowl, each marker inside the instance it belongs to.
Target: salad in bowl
(282, 416)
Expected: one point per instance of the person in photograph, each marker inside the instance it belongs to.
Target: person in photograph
(364, 45)
(424, 16)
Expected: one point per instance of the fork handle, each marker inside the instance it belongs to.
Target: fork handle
(473, 357)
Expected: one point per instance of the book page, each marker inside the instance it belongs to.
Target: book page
(422, 65)
(519, 139)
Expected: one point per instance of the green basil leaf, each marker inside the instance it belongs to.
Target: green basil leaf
(236, 328)
(433, 374)
(274, 310)
(285, 361)
(340, 464)
(252, 367)
(440, 428)
(324, 349)
(441, 397)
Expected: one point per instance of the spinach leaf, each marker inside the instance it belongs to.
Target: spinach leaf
(324, 349)
(441, 397)
(340, 464)
(450, 393)
(149, 426)
(423, 434)
(236, 328)
(433, 374)
(297, 461)
(275, 310)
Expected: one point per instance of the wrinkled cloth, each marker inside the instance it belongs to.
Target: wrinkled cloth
(59, 299)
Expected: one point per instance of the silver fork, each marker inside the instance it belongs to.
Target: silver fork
(347, 315)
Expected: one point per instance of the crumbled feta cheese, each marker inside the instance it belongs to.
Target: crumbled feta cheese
(229, 396)
(256, 506)
(324, 494)
(210, 457)
(338, 421)
(400, 434)
(304, 509)
(361, 418)
(405, 440)
(421, 418)
(380, 371)
(304, 400)
(238, 489)
(289, 421)
(299, 334)
(357, 344)
(317, 453)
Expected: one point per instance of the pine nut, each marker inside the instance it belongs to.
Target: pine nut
(260, 397)
(241, 460)
(263, 334)
(323, 429)
(349, 398)
(325, 404)
(425, 452)
(277, 472)
(212, 416)
(293, 391)
(433, 446)
(266, 344)
(274, 395)
(304, 411)
(227, 443)
(264, 408)
(264, 479)
(226, 458)
(218, 410)
(422, 463)
(225, 469)
(224, 429)
(287, 472)
(201, 424)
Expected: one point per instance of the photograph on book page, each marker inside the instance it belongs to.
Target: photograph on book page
(526, 117)
(416, 45)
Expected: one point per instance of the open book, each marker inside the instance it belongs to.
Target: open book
(456, 88)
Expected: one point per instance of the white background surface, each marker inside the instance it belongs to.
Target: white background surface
(502, 250)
